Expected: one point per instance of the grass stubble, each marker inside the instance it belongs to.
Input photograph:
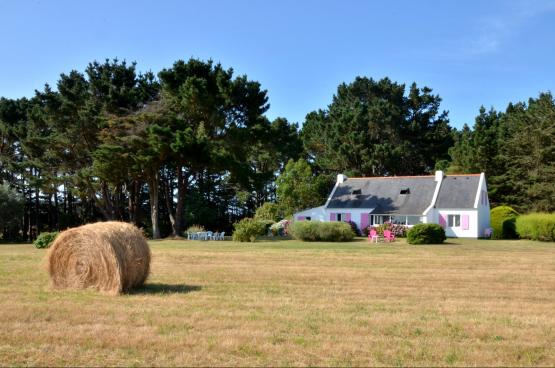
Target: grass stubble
(465, 303)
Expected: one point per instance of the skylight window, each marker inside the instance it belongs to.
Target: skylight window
(405, 191)
(357, 191)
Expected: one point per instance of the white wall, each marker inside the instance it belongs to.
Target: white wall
(483, 210)
(456, 232)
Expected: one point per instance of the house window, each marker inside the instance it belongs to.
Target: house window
(308, 218)
(454, 220)
(380, 219)
(339, 217)
(399, 220)
(413, 220)
(357, 191)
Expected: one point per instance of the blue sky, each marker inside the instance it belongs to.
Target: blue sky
(470, 52)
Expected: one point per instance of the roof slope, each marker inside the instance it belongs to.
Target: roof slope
(384, 194)
(458, 191)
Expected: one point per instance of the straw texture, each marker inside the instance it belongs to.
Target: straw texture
(111, 257)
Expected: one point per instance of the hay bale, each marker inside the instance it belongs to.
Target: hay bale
(112, 257)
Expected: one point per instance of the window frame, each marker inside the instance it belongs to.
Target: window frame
(454, 220)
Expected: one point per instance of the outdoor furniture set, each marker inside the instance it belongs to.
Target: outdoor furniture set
(205, 235)
(374, 237)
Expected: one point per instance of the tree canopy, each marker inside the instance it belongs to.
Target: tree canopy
(375, 128)
(192, 144)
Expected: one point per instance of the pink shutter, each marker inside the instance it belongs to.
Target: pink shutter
(363, 221)
(465, 222)
(347, 217)
(333, 216)
(442, 221)
(301, 218)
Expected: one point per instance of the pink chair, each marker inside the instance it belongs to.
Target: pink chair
(388, 235)
(373, 235)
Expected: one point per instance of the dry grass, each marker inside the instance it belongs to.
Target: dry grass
(288, 303)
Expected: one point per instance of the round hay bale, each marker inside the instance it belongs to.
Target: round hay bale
(111, 257)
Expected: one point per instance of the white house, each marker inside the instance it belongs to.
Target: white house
(459, 203)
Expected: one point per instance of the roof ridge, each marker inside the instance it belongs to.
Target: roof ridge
(405, 176)
(390, 177)
(463, 175)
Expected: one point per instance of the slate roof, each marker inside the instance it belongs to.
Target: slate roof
(458, 191)
(383, 194)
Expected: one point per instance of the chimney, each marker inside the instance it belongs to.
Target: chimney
(439, 175)
(341, 178)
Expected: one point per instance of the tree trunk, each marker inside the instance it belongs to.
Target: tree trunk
(56, 210)
(37, 211)
(134, 202)
(168, 196)
(182, 184)
(27, 215)
(108, 209)
(50, 213)
(153, 194)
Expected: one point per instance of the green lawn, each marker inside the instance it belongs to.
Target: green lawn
(287, 303)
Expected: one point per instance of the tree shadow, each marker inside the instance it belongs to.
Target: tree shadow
(158, 288)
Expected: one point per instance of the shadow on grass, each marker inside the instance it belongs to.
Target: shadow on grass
(273, 238)
(157, 288)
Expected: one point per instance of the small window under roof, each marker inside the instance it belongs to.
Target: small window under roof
(405, 191)
(357, 191)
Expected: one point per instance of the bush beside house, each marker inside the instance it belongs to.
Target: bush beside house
(502, 220)
(321, 231)
(426, 234)
(536, 226)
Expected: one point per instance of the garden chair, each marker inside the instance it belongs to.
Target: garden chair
(388, 236)
(373, 235)
(221, 235)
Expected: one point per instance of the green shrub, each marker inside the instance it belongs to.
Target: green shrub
(321, 231)
(248, 229)
(426, 234)
(269, 211)
(44, 240)
(502, 220)
(536, 226)
(267, 225)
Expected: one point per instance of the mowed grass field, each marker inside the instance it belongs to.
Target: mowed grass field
(287, 303)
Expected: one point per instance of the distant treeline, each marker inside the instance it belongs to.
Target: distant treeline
(192, 145)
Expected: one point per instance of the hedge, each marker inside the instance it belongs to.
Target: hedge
(321, 231)
(502, 220)
(536, 226)
(426, 234)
